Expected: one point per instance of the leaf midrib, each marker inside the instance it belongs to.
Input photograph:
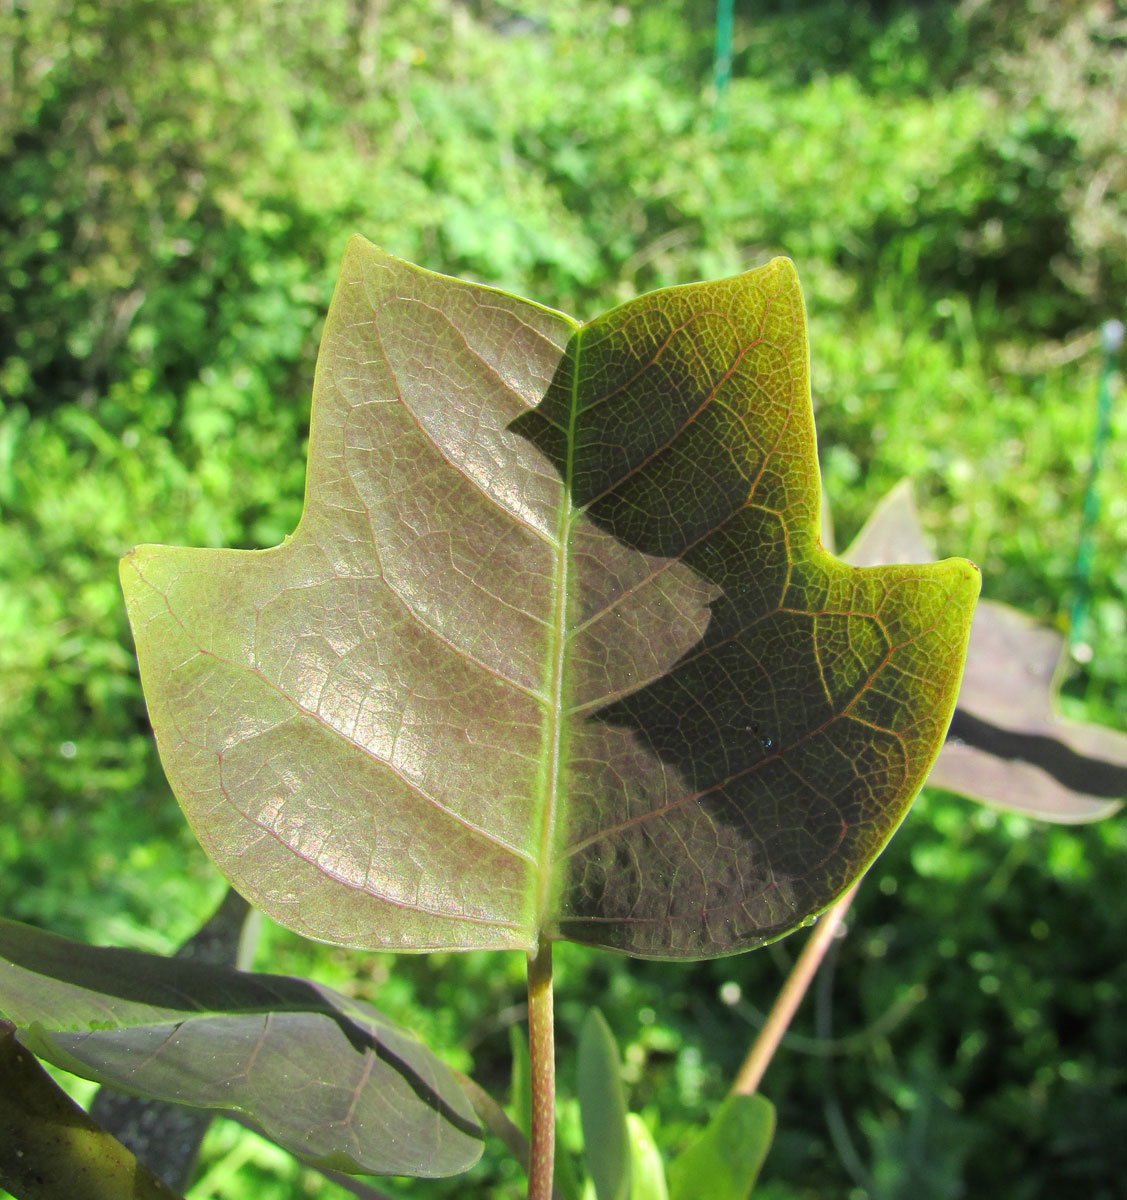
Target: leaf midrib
(556, 707)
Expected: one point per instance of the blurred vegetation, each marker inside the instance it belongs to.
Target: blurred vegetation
(177, 180)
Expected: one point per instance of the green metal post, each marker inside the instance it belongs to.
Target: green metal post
(722, 63)
(1079, 637)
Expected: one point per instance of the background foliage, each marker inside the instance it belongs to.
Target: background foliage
(177, 179)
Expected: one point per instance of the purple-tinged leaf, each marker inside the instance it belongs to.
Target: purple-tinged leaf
(326, 1077)
(554, 651)
(1007, 745)
(166, 1137)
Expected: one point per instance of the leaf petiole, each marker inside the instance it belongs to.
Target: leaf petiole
(542, 1057)
(787, 1002)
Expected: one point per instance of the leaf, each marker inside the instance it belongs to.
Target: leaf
(554, 651)
(50, 1148)
(602, 1110)
(647, 1171)
(326, 1077)
(166, 1137)
(724, 1162)
(1007, 745)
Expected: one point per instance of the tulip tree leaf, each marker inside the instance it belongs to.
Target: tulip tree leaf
(166, 1137)
(555, 650)
(1007, 745)
(326, 1077)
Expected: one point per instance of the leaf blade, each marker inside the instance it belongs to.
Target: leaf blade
(366, 644)
(602, 1109)
(725, 1161)
(1007, 745)
(554, 650)
(692, 445)
(325, 1076)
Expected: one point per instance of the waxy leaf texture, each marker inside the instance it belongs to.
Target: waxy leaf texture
(555, 650)
(327, 1077)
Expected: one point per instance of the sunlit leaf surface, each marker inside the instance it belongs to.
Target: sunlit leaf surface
(724, 1162)
(554, 650)
(1007, 746)
(325, 1076)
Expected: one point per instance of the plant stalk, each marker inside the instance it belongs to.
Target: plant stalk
(789, 997)
(495, 1119)
(542, 1060)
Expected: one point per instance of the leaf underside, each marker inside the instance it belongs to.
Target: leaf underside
(325, 1076)
(1007, 745)
(555, 650)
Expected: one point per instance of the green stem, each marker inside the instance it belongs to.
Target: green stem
(790, 996)
(542, 1059)
(495, 1119)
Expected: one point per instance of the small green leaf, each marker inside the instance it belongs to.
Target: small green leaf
(724, 1162)
(602, 1109)
(326, 1077)
(647, 1171)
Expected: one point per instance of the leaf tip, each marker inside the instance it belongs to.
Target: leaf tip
(966, 579)
(127, 569)
(130, 567)
(357, 250)
(780, 271)
(358, 244)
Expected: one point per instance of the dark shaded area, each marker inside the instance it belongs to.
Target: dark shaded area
(1092, 776)
(657, 419)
